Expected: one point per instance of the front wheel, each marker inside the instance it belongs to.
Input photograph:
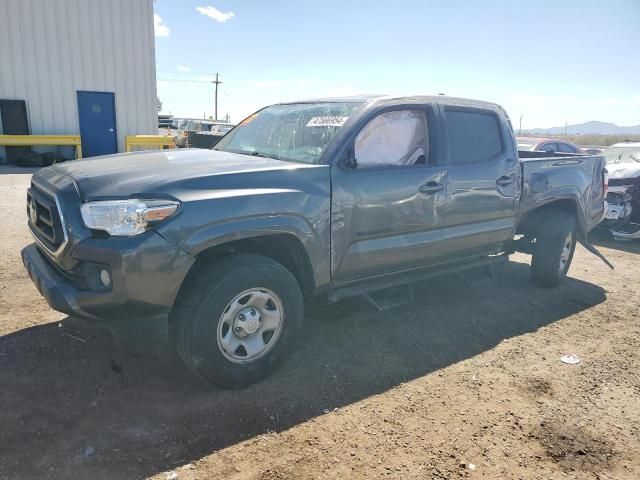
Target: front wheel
(237, 318)
(553, 249)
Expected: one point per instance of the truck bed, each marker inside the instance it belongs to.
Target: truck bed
(564, 176)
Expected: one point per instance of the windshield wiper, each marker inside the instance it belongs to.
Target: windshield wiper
(247, 152)
(260, 154)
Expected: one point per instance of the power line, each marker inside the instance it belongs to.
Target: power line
(180, 80)
(216, 82)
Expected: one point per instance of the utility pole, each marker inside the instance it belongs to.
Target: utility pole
(520, 125)
(216, 82)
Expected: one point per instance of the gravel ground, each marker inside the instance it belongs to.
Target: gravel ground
(464, 382)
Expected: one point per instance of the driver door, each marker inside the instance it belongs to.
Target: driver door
(386, 208)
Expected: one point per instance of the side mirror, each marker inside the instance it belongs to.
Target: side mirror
(349, 159)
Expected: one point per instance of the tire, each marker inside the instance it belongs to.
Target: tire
(214, 305)
(553, 249)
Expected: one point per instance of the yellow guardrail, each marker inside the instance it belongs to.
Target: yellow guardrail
(149, 141)
(46, 140)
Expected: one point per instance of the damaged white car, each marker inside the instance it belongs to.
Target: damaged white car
(623, 214)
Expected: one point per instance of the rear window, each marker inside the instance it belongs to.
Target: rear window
(473, 136)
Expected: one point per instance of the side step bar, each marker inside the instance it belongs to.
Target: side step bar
(406, 278)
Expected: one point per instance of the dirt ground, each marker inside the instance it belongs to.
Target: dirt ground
(464, 382)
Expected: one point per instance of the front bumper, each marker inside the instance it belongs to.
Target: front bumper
(59, 295)
(146, 275)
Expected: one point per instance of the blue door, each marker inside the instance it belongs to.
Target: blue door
(97, 114)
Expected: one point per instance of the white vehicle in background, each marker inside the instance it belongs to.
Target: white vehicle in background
(623, 214)
(221, 128)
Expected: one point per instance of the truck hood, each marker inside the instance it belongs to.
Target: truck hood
(171, 172)
(623, 170)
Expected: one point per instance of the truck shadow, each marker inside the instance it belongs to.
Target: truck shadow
(73, 407)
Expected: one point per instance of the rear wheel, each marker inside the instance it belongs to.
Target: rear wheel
(237, 318)
(553, 249)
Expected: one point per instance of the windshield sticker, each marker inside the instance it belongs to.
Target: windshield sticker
(327, 121)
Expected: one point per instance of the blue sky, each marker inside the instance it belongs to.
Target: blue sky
(550, 61)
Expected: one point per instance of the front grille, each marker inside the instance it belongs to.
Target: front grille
(44, 218)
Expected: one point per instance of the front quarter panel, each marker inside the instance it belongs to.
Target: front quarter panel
(250, 205)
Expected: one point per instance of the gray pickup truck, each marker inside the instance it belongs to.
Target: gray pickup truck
(329, 198)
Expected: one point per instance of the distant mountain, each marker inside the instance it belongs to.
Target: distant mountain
(588, 128)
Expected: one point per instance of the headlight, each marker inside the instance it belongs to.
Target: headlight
(126, 217)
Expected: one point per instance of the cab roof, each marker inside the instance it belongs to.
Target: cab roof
(378, 99)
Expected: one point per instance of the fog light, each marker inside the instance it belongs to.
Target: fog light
(105, 278)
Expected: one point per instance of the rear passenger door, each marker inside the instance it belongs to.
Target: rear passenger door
(483, 180)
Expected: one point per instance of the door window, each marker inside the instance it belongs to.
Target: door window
(548, 147)
(566, 148)
(397, 138)
(474, 136)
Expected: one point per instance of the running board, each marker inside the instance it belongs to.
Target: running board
(478, 275)
(383, 300)
(405, 278)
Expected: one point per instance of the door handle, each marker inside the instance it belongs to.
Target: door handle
(505, 180)
(431, 187)
(111, 129)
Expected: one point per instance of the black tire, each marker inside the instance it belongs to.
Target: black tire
(204, 299)
(551, 239)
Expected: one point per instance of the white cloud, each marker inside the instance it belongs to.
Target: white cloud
(183, 68)
(217, 15)
(159, 27)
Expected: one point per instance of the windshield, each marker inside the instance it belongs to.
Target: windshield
(293, 132)
(526, 145)
(622, 155)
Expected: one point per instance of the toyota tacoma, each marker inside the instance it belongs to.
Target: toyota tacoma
(318, 199)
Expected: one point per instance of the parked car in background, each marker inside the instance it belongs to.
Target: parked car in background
(164, 121)
(180, 132)
(176, 127)
(178, 123)
(593, 150)
(321, 199)
(549, 145)
(221, 128)
(191, 125)
(196, 127)
(207, 139)
(623, 213)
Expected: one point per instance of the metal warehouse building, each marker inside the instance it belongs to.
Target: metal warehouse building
(82, 67)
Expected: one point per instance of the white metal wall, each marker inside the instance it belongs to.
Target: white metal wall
(50, 49)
